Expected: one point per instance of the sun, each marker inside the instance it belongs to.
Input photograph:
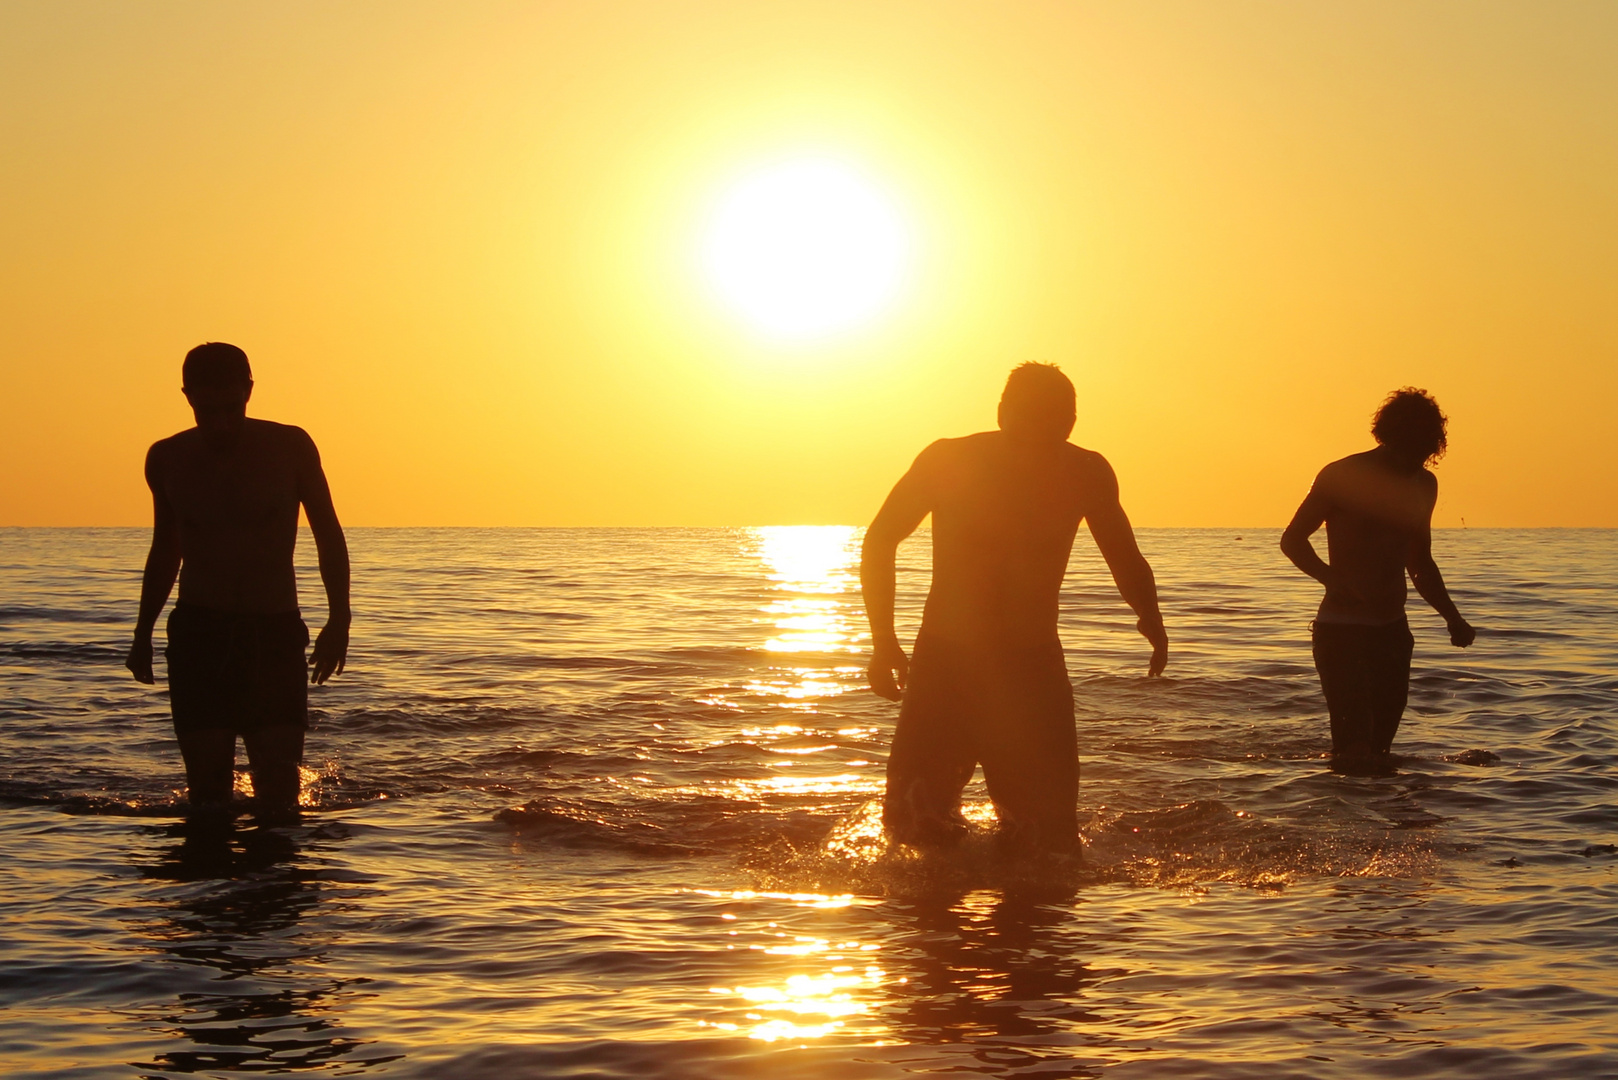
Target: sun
(805, 248)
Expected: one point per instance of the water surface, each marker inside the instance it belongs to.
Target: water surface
(595, 803)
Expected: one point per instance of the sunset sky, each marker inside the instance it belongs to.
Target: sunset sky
(464, 246)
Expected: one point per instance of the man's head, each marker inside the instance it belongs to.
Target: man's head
(1038, 403)
(1412, 425)
(217, 381)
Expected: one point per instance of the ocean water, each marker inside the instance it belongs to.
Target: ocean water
(599, 803)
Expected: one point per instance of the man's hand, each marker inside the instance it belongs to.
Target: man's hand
(889, 670)
(330, 653)
(1461, 633)
(1154, 632)
(139, 660)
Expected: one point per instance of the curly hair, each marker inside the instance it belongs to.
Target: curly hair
(1411, 420)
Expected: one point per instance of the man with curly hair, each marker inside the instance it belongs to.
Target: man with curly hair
(1377, 507)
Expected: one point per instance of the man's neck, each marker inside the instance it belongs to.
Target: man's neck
(1397, 461)
(222, 435)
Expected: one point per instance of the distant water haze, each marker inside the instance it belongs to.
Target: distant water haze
(600, 802)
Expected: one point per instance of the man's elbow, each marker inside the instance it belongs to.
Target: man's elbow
(878, 544)
(165, 543)
(328, 534)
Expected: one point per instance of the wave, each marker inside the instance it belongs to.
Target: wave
(19, 613)
(75, 653)
(1186, 846)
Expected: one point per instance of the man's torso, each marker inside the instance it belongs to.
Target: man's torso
(1376, 514)
(1004, 519)
(236, 508)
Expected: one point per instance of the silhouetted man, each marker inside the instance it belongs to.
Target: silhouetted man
(1377, 507)
(225, 498)
(989, 682)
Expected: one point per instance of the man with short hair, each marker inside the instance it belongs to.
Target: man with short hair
(225, 499)
(989, 681)
(1377, 507)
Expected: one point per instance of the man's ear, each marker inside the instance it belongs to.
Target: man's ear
(249, 395)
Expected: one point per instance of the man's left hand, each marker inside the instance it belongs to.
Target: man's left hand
(139, 660)
(330, 653)
(1154, 632)
(1462, 633)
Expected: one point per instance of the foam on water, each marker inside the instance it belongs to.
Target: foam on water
(606, 802)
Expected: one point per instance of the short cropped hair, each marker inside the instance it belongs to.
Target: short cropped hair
(1411, 420)
(1039, 394)
(215, 364)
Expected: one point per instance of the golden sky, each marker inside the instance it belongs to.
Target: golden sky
(458, 241)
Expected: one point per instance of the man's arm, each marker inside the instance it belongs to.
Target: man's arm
(162, 567)
(1130, 570)
(1430, 583)
(1295, 543)
(330, 653)
(907, 504)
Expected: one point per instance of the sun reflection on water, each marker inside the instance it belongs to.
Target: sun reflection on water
(837, 992)
(814, 567)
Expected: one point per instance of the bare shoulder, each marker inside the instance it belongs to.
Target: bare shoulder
(949, 453)
(1086, 459)
(286, 438)
(290, 433)
(1343, 469)
(1090, 467)
(164, 451)
(1349, 464)
(982, 442)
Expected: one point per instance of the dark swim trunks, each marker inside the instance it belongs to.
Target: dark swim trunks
(1365, 675)
(1010, 711)
(237, 670)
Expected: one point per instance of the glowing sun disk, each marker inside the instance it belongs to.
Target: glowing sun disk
(805, 247)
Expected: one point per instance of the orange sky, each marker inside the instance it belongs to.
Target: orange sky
(456, 240)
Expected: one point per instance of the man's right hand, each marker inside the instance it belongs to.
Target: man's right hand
(889, 670)
(139, 661)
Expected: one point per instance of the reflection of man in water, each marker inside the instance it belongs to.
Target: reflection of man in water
(1377, 507)
(225, 498)
(989, 683)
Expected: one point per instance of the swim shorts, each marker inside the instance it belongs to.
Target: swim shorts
(237, 670)
(1010, 710)
(1365, 676)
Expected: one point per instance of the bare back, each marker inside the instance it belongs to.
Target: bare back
(1004, 517)
(234, 505)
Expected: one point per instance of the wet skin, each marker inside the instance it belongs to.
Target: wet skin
(1377, 509)
(225, 502)
(1005, 508)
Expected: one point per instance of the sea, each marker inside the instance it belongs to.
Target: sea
(605, 803)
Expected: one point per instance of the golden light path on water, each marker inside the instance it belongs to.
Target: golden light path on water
(814, 568)
(806, 1004)
(829, 984)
